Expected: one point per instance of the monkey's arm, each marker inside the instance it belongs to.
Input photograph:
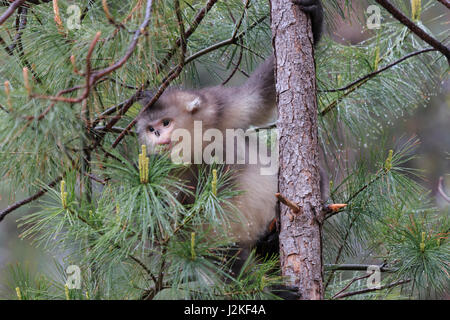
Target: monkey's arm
(258, 95)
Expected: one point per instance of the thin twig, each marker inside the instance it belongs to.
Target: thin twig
(373, 74)
(236, 67)
(238, 25)
(116, 108)
(96, 179)
(224, 42)
(5, 46)
(363, 291)
(101, 233)
(195, 23)
(379, 174)
(101, 73)
(294, 207)
(113, 129)
(86, 10)
(3, 108)
(414, 28)
(359, 82)
(89, 80)
(93, 77)
(126, 106)
(6, 3)
(109, 16)
(10, 10)
(23, 202)
(124, 85)
(47, 110)
(351, 282)
(22, 17)
(356, 267)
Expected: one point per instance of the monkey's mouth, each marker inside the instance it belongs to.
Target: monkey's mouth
(166, 147)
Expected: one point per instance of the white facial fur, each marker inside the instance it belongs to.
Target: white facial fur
(193, 105)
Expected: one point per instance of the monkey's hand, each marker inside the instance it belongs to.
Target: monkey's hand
(315, 10)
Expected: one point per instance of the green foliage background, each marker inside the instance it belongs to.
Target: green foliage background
(134, 240)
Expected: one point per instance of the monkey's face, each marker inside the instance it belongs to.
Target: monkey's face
(159, 133)
(174, 110)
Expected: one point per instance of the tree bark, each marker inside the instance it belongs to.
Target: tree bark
(299, 182)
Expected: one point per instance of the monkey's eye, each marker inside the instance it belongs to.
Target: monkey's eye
(166, 122)
(151, 129)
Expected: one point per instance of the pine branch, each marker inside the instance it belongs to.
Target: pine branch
(93, 77)
(373, 74)
(138, 33)
(236, 67)
(49, 108)
(89, 81)
(238, 25)
(22, 23)
(86, 10)
(379, 174)
(227, 42)
(5, 46)
(173, 75)
(350, 283)
(4, 109)
(120, 108)
(123, 109)
(110, 18)
(22, 18)
(113, 129)
(101, 233)
(338, 256)
(355, 267)
(363, 291)
(359, 82)
(414, 28)
(23, 202)
(195, 23)
(236, 29)
(293, 206)
(16, 4)
(35, 2)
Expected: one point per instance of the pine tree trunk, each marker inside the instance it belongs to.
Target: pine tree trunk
(300, 233)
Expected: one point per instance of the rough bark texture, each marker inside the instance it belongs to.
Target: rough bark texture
(300, 234)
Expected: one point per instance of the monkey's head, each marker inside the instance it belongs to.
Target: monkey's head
(175, 109)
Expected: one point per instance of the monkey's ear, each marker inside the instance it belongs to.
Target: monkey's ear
(144, 97)
(193, 105)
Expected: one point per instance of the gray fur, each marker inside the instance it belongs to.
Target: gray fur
(219, 107)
